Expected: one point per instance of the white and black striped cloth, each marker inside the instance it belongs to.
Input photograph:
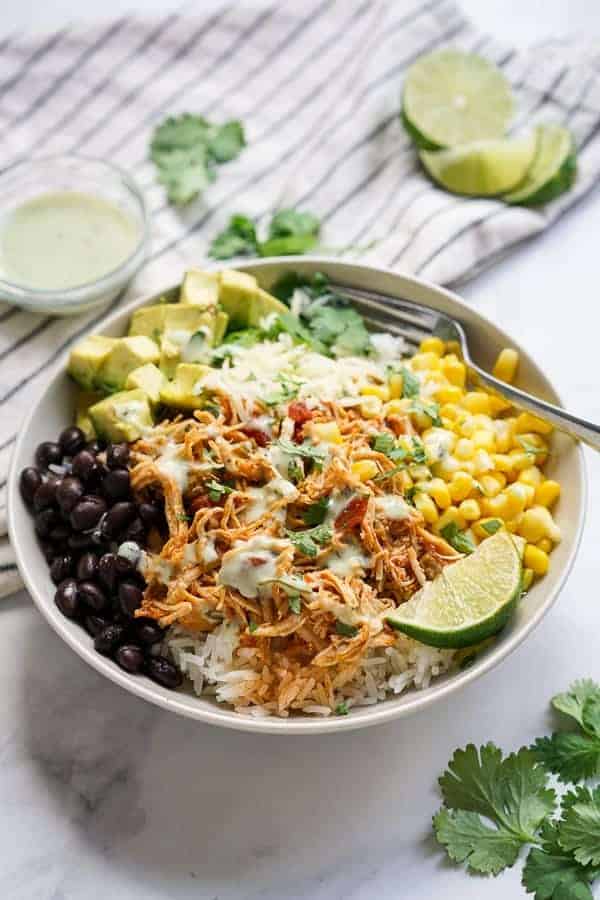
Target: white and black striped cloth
(317, 86)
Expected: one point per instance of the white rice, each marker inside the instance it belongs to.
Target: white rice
(208, 662)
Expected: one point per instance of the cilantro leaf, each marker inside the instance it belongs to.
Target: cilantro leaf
(252, 626)
(579, 830)
(570, 756)
(383, 443)
(342, 709)
(307, 541)
(467, 839)
(418, 452)
(316, 512)
(295, 471)
(492, 526)
(512, 792)
(237, 239)
(290, 233)
(294, 603)
(346, 630)
(306, 450)
(410, 383)
(216, 491)
(552, 874)
(460, 540)
(431, 410)
(572, 702)
(186, 148)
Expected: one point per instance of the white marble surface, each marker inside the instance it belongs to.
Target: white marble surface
(104, 796)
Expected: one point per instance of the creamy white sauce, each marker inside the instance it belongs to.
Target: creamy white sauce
(209, 552)
(190, 553)
(392, 507)
(438, 443)
(266, 496)
(170, 463)
(349, 560)
(129, 411)
(163, 570)
(249, 563)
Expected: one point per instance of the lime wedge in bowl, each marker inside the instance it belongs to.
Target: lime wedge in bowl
(553, 168)
(482, 168)
(470, 600)
(451, 98)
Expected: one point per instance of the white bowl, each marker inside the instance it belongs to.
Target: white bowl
(53, 412)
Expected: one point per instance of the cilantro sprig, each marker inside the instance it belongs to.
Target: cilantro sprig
(289, 233)
(460, 540)
(186, 150)
(309, 541)
(574, 755)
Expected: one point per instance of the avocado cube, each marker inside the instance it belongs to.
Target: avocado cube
(124, 416)
(84, 400)
(221, 323)
(87, 357)
(179, 393)
(128, 353)
(189, 333)
(262, 305)
(200, 289)
(149, 379)
(235, 296)
(148, 321)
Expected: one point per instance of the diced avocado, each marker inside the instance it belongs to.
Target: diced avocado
(85, 399)
(149, 321)
(188, 336)
(180, 392)
(87, 357)
(262, 305)
(122, 417)
(235, 296)
(149, 379)
(221, 323)
(200, 289)
(127, 354)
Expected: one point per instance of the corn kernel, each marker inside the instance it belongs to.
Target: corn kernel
(433, 345)
(395, 406)
(454, 370)
(365, 469)
(547, 493)
(529, 493)
(465, 449)
(526, 579)
(513, 524)
(520, 460)
(504, 431)
(461, 486)
(505, 367)
(468, 425)
(482, 462)
(438, 490)
(537, 523)
(503, 463)
(545, 544)
(477, 402)
(450, 515)
(326, 431)
(484, 439)
(371, 407)
(449, 394)
(426, 507)
(422, 361)
(517, 494)
(498, 404)
(470, 510)
(492, 483)
(532, 475)
(535, 559)
(526, 422)
(396, 384)
(376, 390)
(446, 468)
(419, 472)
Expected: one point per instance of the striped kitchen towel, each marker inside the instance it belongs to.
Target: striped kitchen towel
(317, 86)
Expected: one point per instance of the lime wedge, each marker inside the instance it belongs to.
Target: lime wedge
(453, 98)
(483, 168)
(470, 600)
(552, 171)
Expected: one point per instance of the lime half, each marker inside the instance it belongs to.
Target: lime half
(552, 171)
(483, 168)
(469, 601)
(453, 98)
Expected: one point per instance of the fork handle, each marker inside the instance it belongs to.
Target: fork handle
(580, 429)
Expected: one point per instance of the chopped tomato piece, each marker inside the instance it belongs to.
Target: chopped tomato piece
(299, 412)
(199, 501)
(257, 434)
(353, 513)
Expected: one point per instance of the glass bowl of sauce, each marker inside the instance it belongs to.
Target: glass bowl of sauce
(73, 233)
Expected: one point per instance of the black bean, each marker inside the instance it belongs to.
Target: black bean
(97, 475)
(163, 671)
(60, 533)
(107, 570)
(87, 513)
(130, 657)
(92, 595)
(69, 492)
(67, 598)
(44, 522)
(45, 496)
(71, 440)
(79, 541)
(48, 452)
(109, 638)
(87, 567)
(82, 464)
(130, 597)
(49, 550)
(117, 455)
(29, 481)
(116, 484)
(61, 567)
(95, 624)
(148, 632)
(135, 532)
(95, 446)
(151, 515)
(119, 517)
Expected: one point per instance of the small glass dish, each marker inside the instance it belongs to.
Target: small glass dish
(32, 179)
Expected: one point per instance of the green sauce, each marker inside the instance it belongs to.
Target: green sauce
(63, 240)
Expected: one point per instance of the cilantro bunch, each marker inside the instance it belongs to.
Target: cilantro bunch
(289, 233)
(187, 149)
(495, 805)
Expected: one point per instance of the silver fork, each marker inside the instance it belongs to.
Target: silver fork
(413, 322)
